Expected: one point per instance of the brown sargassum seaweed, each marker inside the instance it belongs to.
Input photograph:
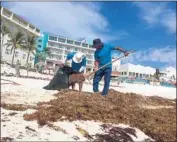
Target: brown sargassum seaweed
(127, 108)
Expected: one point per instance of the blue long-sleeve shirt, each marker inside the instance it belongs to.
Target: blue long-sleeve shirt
(103, 55)
(76, 66)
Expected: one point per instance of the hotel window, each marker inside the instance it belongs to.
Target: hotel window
(66, 52)
(50, 43)
(56, 45)
(59, 58)
(90, 52)
(39, 46)
(51, 56)
(61, 40)
(52, 38)
(90, 46)
(59, 52)
(89, 62)
(37, 30)
(49, 64)
(24, 56)
(125, 73)
(40, 40)
(89, 57)
(67, 48)
(6, 13)
(77, 43)
(84, 45)
(70, 41)
(130, 73)
(85, 51)
(60, 46)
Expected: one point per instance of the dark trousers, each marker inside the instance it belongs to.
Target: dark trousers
(98, 76)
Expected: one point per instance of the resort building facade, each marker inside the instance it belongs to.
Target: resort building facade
(139, 71)
(131, 70)
(15, 23)
(59, 47)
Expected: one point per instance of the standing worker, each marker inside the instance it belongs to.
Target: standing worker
(78, 65)
(103, 56)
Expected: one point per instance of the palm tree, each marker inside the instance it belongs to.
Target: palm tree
(17, 40)
(30, 45)
(41, 57)
(4, 31)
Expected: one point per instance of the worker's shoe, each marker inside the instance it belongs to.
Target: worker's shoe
(97, 93)
(103, 95)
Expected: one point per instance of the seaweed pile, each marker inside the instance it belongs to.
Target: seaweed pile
(159, 124)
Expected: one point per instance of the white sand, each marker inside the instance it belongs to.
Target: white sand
(14, 127)
(7, 69)
(30, 92)
(146, 90)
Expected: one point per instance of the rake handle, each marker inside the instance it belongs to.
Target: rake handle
(110, 63)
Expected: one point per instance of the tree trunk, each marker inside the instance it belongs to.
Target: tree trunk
(2, 46)
(27, 62)
(28, 57)
(13, 55)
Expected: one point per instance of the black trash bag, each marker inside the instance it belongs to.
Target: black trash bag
(61, 79)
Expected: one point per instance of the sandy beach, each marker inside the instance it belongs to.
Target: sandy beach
(31, 92)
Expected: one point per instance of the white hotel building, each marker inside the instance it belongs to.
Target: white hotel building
(15, 22)
(60, 46)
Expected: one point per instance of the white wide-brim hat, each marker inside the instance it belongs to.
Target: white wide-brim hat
(78, 57)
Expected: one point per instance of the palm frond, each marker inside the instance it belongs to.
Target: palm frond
(8, 44)
(4, 29)
(31, 43)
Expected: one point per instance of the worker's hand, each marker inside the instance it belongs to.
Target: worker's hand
(87, 75)
(67, 62)
(96, 64)
(82, 69)
(95, 69)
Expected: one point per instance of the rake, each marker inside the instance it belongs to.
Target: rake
(88, 77)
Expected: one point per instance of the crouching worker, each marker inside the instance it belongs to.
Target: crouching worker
(78, 65)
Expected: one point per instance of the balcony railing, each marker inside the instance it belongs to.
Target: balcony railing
(70, 42)
(6, 13)
(19, 21)
(61, 40)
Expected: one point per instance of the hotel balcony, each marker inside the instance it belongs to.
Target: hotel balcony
(54, 58)
(73, 43)
(8, 15)
(69, 48)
